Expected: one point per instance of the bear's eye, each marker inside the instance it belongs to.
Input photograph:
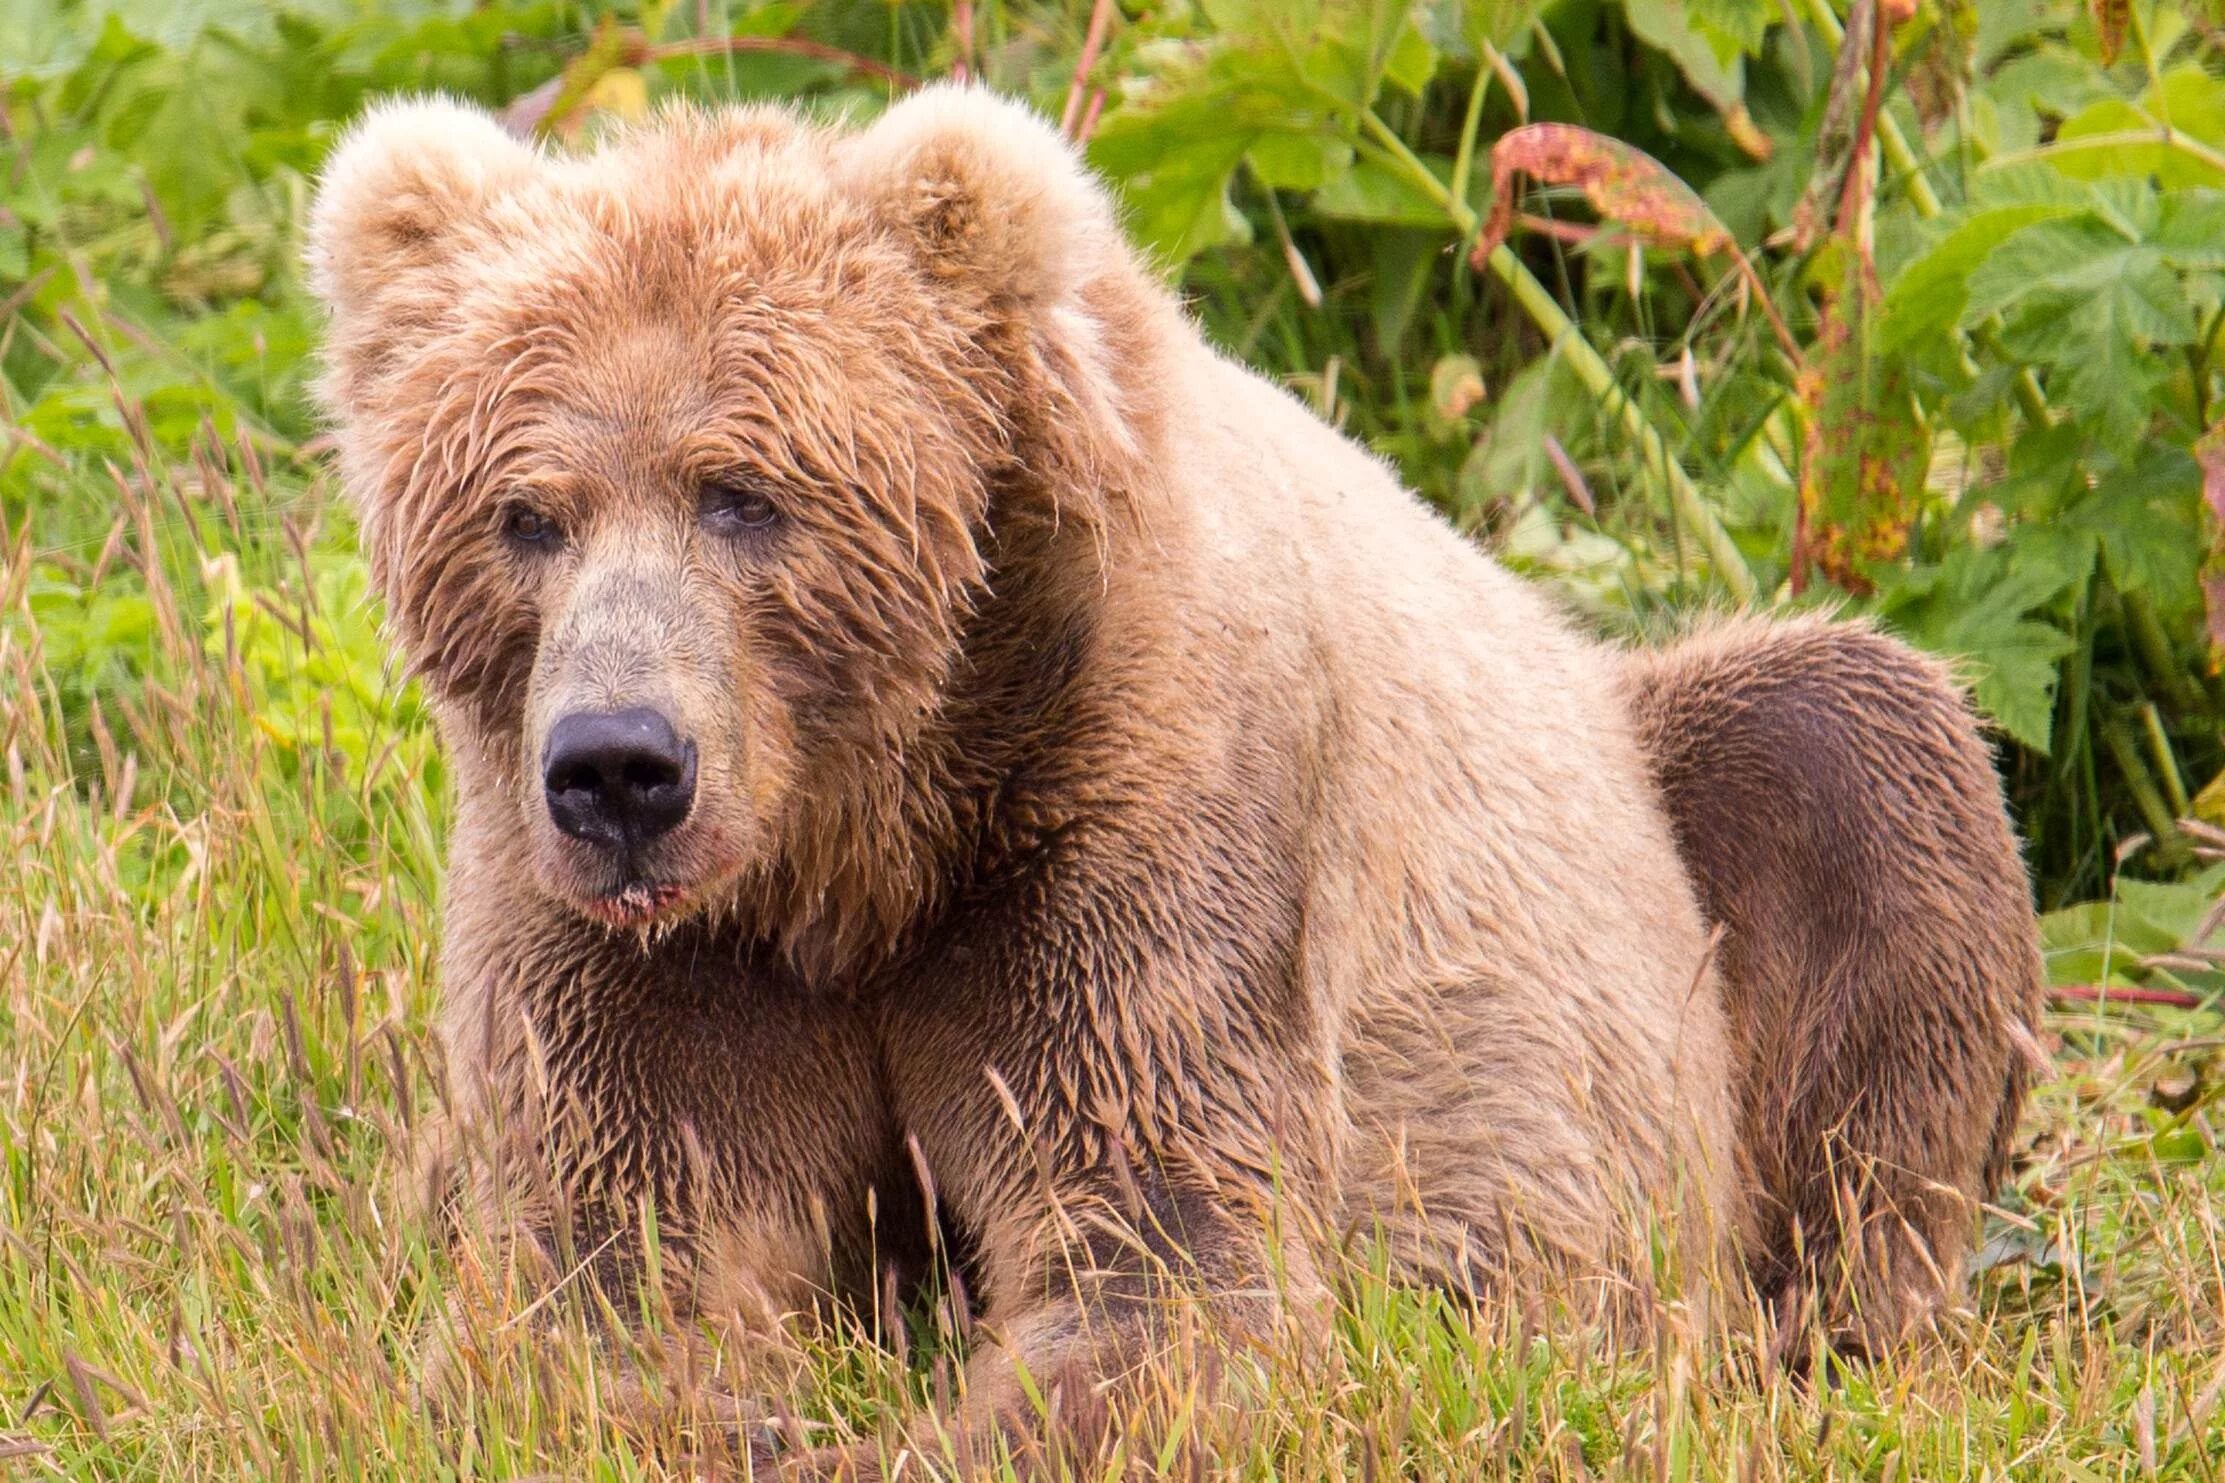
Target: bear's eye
(529, 527)
(735, 508)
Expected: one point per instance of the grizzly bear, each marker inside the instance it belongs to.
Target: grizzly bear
(937, 745)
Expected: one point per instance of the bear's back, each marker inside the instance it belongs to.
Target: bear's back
(1495, 904)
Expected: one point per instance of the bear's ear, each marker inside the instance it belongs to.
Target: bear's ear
(393, 200)
(993, 199)
(1000, 213)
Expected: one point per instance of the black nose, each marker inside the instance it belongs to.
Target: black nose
(617, 778)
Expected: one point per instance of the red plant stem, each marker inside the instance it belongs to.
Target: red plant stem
(2101, 993)
(1089, 116)
(961, 23)
(794, 46)
(1100, 21)
(1562, 231)
(1865, 128)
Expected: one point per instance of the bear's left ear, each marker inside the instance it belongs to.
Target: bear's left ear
(1004, 217)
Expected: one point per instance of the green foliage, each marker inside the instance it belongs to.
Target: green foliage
(1984, 390)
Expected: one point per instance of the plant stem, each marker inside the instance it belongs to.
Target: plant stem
(2154, 646)
(1889, 135)
(2166, 763)
(2177, 141)
(2170, 846)
(1598, 377)
(1464, 158)
(1925, 201)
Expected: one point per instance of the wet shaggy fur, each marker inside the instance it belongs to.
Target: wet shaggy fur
(1131, 832)
(1878, 962)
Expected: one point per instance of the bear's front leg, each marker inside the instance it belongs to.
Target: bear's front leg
(1123, 1096)
(601, 1080)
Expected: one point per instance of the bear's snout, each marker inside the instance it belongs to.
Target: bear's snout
(618, 779)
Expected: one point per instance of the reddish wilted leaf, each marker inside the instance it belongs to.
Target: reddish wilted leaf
(1455, 386)
(2110, 19)
(1572, 477)
(2210, 450)
(1863, 449)
(1624, 185)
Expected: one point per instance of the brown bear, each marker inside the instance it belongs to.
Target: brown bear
(935, 741)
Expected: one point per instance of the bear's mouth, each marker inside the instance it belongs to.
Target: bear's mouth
(635, 904)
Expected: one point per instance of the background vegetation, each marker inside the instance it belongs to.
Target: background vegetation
(1911, 306)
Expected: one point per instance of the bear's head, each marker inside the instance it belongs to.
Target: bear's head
(680, 464)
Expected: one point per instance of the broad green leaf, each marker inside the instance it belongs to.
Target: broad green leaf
(1343, 48)
(1732, 28)
(2048, 82)
(1372, 191)
(2017, 669)
(1411, 61)
(1298, 162)
(2170, 910)
(2147, 519)
(2092, 305)
(1461, 29)
(1929, 295)
(2081, 945)
(1671, 28)
(1980, 605)
(1281, 83)
(1173, 144)
(2190, 228)
(2188, 99)
(1404, 260)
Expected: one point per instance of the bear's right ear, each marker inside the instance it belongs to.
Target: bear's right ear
(392, 202)
(1002, 214)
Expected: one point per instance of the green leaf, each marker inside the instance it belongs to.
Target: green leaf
(1371, 191)
(1733, 28)
(1671, 27)
(1411, 62)
(1978, 606)
(2051, 79)
(1280, 83)
(2190, 228)
(1174, 143)
(1470, 25)
(1404, 260)
(2188, 98)
(2166, 914)
(2081, 945)
(2092, 303)
(1298, 162)
(2147, 519)
(1928, 297)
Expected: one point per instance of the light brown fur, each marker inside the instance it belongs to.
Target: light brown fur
(1118, 797)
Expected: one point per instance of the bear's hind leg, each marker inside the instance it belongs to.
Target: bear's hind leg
(1836, 805)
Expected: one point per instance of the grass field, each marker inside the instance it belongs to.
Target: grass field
(220, 844)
